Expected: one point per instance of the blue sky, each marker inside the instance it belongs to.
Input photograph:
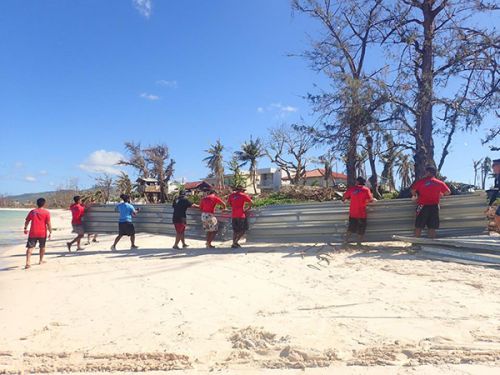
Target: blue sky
(79, 78)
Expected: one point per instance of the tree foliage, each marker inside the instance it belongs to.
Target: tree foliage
(215, 161)
(251, 151)
(287, 147)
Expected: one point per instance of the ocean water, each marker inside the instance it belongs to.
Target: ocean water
(11, 227)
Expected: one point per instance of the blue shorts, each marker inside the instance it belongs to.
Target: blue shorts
(497, 212)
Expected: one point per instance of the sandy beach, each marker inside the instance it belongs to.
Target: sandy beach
(276, 308)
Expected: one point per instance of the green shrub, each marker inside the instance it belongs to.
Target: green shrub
(274, 199)
(392, 195)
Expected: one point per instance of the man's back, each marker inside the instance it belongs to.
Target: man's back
(180, 207)
(360, 196)
(209, 202)
(430, 190)
(39, 218)
(126, 210)
(237, 202)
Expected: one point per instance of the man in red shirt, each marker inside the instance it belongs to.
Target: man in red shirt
(77, 211)
(360, 196)
(40, 223)
(237, 201)
(428, 192)
(208, 219)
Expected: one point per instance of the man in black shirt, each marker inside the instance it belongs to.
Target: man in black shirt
(496, 191)
(180, 205)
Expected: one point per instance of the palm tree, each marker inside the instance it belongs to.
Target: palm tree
(485, 170)
(123, 184)
(405, 170)
(156, 156)
(136, 159)
(234, 167)
(477, 166)
(250, 152)
(215, 162)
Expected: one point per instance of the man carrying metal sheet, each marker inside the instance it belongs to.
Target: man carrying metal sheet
(237, 201)
(360, 196)
(496, 192)
(179, 218)
(208, 219)
(428, 192)
(125, 225)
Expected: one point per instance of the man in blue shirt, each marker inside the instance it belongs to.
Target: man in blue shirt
(125, 226)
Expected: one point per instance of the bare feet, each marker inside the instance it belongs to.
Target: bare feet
(80, 248)
(68, 244)
(26, 267)
(113, 248)
(42, 262)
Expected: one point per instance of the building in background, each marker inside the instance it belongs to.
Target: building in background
(273, 179)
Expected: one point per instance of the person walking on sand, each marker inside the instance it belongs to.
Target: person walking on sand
(496, 192)
(237, 201)
(208, 219)
(428, 192)
(180, 205)
(77, 211)
(87, 203)
(359, 196)
(89, 236)
(40, 224)
(125, 225)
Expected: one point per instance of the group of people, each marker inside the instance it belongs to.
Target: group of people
(240, 204)
(427, 193)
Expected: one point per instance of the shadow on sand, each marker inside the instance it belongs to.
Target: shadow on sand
(288, 251)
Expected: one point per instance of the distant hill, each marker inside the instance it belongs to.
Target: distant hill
(31, 197)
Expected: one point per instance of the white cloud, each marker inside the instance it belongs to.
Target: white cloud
(19, 164)
(144, 7)
(102, 161)
(284, 108)
(278, 109)
(147, 96)
(30, 178)
(163, 82)
(43, 172)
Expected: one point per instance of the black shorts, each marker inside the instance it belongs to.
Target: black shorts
(357, 225)
(240, 225)
(427, 216)
(126, 229)
(32, 242)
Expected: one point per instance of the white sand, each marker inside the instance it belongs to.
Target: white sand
(284, 306)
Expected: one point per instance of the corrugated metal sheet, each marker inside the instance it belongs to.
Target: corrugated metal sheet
(152, 218)
(312, 222)
(323, 222)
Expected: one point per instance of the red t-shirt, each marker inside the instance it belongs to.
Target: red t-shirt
(359, 195)
(237, 202)
(429, 190)
(77, 212)
(208, 203)
(39, 218)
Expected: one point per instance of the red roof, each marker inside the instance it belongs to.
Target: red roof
(320, 172)
(195, 185)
